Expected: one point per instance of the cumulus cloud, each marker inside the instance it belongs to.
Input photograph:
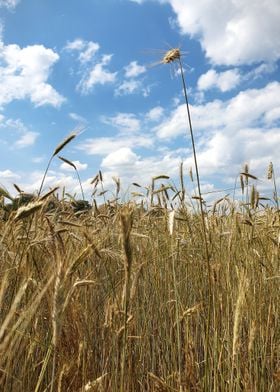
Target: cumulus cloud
(10, 4)
(98, 74)
(86, 49)
(261, 70)
(225, 152)
(106, 145)
(128, 87)
(122, 157)
(24, 74)
(92, 67)
(9, 175)
(133, 69)
(224, 81)
(155, 113)
(131, 167)
(232, 32)
(132, 84)
(89, 52)
(32, 182)
(228, 133)
(27, 139)
(80, 166)
(125, 122)
(77, 44)
(247, 108)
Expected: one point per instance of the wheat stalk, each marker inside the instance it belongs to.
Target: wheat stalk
(171, 56)
(126, 218)
(57, 150)
(75, 168)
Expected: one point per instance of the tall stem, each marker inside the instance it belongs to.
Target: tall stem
(44, 177)
(79, 179)
(207, 256)
(196, 169)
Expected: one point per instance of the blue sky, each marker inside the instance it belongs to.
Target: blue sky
(96, 64)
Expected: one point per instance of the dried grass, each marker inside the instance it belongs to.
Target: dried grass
(125, 297)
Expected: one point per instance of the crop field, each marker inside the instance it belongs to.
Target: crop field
(125, 297)
(163, 292)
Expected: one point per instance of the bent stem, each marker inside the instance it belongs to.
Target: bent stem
(56, 151)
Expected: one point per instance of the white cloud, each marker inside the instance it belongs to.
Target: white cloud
(130, 167)
(27, 139)
(132, 70)
(24, 74)
(224, 81)
(45, 94)
(125, 122)
(227, 134)
(260, 70)
(32, 181)
(245, 109)
(88, 54)
(9, 175)
(93, 69)
(13, 124)
(9, 3)
(87, 49)
(155, 113)
(98, 74)
(77, 44)
(225, 152)
(242, 129)
(76, 117)
(106, 145)
(230, 31)
(132, 86)
(122, 157)
(80, 166)
(128, 87)
(146, 91)
(272, 115)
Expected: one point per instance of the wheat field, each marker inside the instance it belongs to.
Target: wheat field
(118, 297)
(161, 293)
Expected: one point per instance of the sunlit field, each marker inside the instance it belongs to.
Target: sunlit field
(163, 292)
(119, 297)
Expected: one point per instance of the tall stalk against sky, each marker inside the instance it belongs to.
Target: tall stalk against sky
(174, 55)
(56, 151)
(171, 56)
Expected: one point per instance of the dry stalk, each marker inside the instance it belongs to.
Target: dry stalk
(76, 170)
(29, 209)
(170, 56)
(56, 151)
(126, 226)
(242, 289)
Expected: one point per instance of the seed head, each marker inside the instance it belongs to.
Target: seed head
(64, 143)
(29, 209)
(270, 171)
(171, 55)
